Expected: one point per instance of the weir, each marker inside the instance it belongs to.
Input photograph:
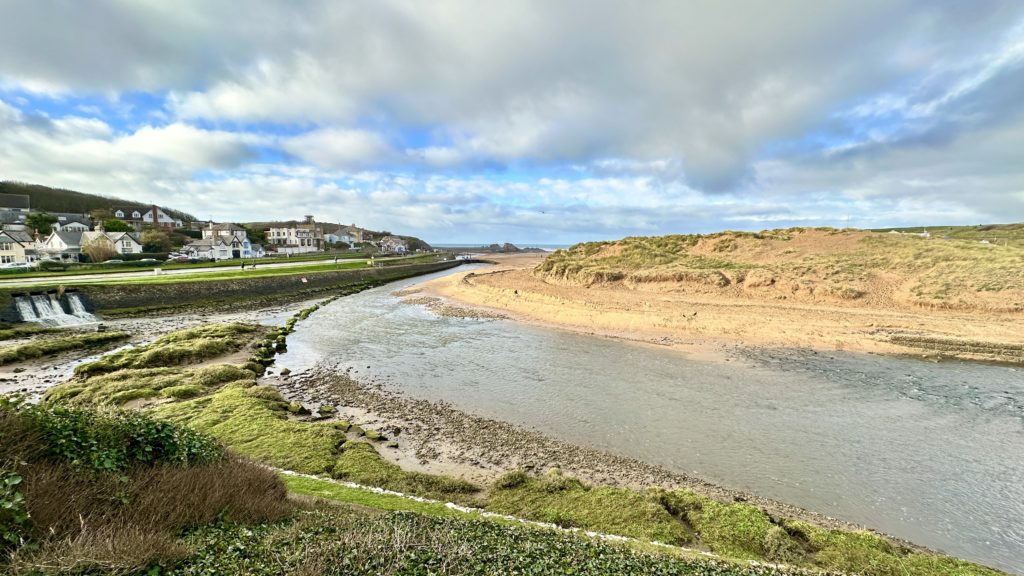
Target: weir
(49, 309)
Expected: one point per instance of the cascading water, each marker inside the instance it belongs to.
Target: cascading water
(78, 307)
(49, 310)
(25, 309)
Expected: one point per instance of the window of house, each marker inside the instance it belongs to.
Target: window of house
(6, 246)
(135, 214)
(126, 243)
(119, 214)
(6, 259)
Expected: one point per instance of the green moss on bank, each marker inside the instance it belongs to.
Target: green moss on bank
(175, 349)
(51, 346)
(360, 463)
(241, 416)
(121, 386)
(569, 503)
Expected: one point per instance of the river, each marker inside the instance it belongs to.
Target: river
(930, 452)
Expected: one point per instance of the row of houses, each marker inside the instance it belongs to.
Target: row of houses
(71, 233)
(19, 246)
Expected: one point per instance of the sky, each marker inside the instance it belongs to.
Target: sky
(548, 121)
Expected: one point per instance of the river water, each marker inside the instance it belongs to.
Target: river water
(933, 453)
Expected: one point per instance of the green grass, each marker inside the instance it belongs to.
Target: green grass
(51, 346)
(253, 421)
(100, 269)
(358, 542)
(359, 462)
(333, 491)
(571, 504)
(176, 348)
(234, 272)
(121, 386)
(9, 332)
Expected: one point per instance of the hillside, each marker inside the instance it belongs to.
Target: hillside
(841, 267)
(47, 199)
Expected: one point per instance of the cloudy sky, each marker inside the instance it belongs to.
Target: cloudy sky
(549, 121)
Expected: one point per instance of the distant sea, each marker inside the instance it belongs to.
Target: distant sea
(548, 247)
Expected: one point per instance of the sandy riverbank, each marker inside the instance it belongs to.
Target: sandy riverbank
(703, 323)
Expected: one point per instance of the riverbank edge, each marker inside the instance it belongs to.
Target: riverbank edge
(471, 293)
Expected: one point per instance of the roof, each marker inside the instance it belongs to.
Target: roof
(19, 236)
(206, 242)
(68, 237)
(112, 236)
(129, 209)
(228, 226)
(19, 201)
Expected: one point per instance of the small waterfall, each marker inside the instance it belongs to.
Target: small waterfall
(78, 307)
(25, 309)
(49, 310)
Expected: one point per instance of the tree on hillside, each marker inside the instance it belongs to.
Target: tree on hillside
(155, 241)
(257, 235)
(99, 249)
(41, 222)
(115, 225)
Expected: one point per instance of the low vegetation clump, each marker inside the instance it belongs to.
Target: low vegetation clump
(85, 490)
(188, 346)
(253, 421)
(745, 532)
(125, 385)
(11, 332)
(569, 503)
(50, 346)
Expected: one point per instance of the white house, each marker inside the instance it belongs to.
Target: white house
(121, 242)
(393, 245)
(139, 216)
(296, 237)
(62, 245)
(65, 224)
(231, 235)
(162, 219)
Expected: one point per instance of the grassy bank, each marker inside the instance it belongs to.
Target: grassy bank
(51, 346)
(258, 423)
(841, 266)
(226, 273)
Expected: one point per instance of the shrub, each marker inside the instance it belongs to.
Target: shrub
(112, 440)
(13, 514)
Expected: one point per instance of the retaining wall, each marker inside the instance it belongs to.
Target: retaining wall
(119, 296)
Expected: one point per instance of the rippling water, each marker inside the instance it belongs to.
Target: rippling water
(933, 453)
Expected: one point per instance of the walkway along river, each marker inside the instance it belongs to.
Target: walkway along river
(933, 453)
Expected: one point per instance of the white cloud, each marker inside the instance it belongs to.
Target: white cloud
(335, 148)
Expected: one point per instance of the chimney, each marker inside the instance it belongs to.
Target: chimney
(156, 221)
